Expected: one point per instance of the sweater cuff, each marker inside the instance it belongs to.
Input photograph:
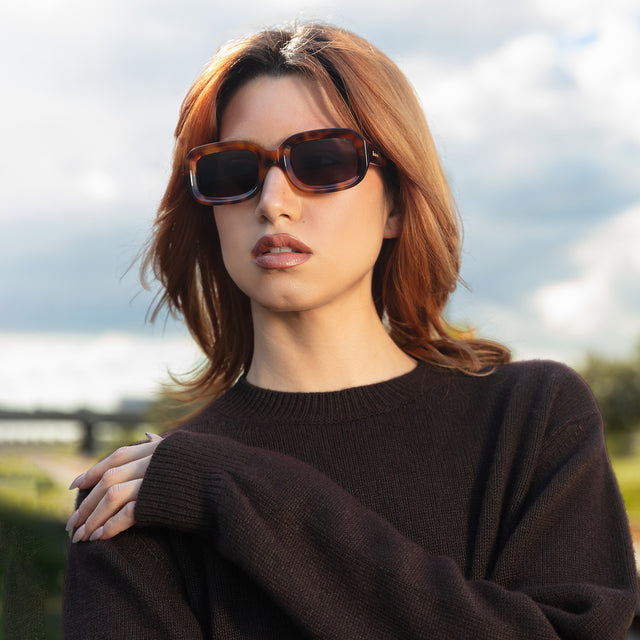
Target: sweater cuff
(184, 484)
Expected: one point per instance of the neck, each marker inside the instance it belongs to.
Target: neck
(319, 351)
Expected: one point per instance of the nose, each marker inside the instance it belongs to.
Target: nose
(278, 197)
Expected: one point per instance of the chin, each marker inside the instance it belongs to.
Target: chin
(280, 297)
(283, 306)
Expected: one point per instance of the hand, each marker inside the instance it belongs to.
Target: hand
(109, 507)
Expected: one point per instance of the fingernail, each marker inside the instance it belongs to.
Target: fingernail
(76, 483)
(97, 534)
(72, 521)
(79, 534)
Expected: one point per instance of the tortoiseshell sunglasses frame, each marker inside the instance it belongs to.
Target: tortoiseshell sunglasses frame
(281, 157)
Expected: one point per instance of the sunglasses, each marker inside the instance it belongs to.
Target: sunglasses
(318, 161)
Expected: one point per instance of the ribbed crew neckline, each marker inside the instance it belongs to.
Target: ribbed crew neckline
(245, 399)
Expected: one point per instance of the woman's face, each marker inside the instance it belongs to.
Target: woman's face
(336, 237)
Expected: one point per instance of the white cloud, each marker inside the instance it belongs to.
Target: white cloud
(607, 74)
(99, 185)
(513, 326)
(582, 14)
(600, 306)
(526, 96)
(472, 101)
(595, 310)
(67, 372)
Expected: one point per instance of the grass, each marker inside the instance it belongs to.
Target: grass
(627, 470)
(32, 551)
(34, 506)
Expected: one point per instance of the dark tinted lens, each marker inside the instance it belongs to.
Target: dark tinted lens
(227, 173)
(324, 162)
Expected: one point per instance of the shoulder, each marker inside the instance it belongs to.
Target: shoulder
(550, 399)
(541, 381)
(535, 398)
(541, 373)
(545, 381)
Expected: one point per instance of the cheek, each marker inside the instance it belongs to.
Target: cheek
(373, 210)
(358, 229)
(232, 224)
(229, 233)
(220, 216)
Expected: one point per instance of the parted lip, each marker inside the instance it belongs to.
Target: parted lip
(279, 240)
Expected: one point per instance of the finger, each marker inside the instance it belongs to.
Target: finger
(119, 457)
(116, 498)
(114, 501)
(111, 478)
(122, 521)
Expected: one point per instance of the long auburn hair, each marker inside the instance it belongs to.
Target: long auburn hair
(415, 273)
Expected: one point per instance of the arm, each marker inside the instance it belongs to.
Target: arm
(126, 588)
(342, 571)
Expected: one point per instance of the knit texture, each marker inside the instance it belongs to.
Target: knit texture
(435, 505)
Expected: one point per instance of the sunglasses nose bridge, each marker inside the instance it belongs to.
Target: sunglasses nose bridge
(273, 158)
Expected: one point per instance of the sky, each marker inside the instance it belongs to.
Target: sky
(533, 106)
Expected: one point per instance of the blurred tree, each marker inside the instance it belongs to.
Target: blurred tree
(616, 386)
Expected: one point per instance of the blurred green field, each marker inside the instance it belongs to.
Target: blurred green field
(627, 471)
(35, 504)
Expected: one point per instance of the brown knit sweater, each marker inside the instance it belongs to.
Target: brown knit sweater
(435, 505)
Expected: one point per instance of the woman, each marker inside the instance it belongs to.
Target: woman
(359, 471)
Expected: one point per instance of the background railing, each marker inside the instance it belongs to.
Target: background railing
(87, 420)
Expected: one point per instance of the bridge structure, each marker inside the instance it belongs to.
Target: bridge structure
(87, 419)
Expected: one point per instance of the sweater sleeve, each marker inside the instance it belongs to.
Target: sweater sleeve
(341, 571)
(125, 587)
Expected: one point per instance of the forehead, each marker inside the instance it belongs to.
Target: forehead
(269, 109)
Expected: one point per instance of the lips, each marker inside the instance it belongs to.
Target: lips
(280, 251)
